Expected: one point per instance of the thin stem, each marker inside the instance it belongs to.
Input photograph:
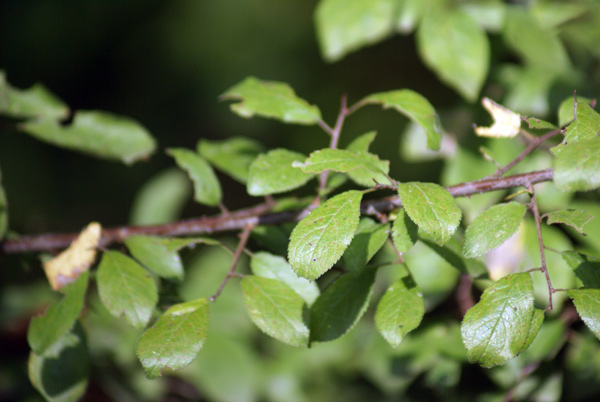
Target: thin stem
(335, 137)
(544, 268)
(236, 258)
(464, 296)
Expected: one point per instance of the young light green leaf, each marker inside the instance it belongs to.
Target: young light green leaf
(61, 373)
(272, 266)
(539, 124)
(366, 169)
(96, 133)
(207, 189)
(175, 339)
(271, 99)
(432, 208)
(344, 26)
(125, 288)
(340, 306)
(273, 173)
(44, 331)
(151, 252)
(34, 102)
(587, 303)
(456, 48)
(492, 228)
(566, 110)
(577, 167)
(232, 156)
(415, 107)
(585, 267)
(576, 218)
(400, 310)
(362, 142)
(320, 239)
(367, 241)
(497, 328)
(3, 210)
(585, 127)
(404, 232)
(276, 309)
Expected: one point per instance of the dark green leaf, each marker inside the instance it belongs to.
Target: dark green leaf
(452, 253)
(340, 306)
(549, 340)
(3, 210)
(125, 288)
(271, 99)
(456, 48)
(151, 252)
(492, 228)
(498, 327)
(34, 102)
(44, 331)
(367, 241)
(415, 107)
(576, 218)
(232, 156)
(276, 309)
(96, 133)
(432, 208)
(586, 267)
(587, 303)
(566, 110)
(534, 327)
(400, 310)
(344, 26)
(207, 189)
(320, 239)
(273, 173)
(61, 373)
(175, 339)
(404, 232)
(577, 167)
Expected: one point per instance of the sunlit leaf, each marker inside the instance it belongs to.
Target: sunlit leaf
(432, 208)
(587, 303)
(367, 241)
(409, 15)
(506, 122)
(271, 99)
(340, 306)
(151, 252)
(96, 133)
(404, 232)
(362, 142)
(276, 309)
(47, 329)
(207, 189)
(175, 338)
(539, 124)
(498, 327)
(492, 228)
(232, 156)
(415, 107)
(577, 167)
(576, 218)
(585, 267)
(585, 127)
(319, 240)
(273, 173)
(126, 289)
(400, 310)
(566, 110)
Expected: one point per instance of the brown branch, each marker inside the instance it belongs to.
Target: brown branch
(255, 216)
(335, 137)
(544, 268)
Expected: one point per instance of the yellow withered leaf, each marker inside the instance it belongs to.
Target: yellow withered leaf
(506, 122)
(68, 265)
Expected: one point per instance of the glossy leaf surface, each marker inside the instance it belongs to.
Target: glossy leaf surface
(404, 232)
(587, 303)
(585, 267)
(207, 189)
(152, 253)
(273, 173)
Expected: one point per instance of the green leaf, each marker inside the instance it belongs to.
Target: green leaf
(492, 228)
(151, 252)
(365, 169)
(534, 327)
(404, 232)
(566, 110)
(344, 26)
(451, 252)
(44, 331)
(207, 189)
(498, 327)
(34, 102)
(273, 173)
(432, 208)
(267, 265)
(585, 267)
(96, 133)
(362, 142)
(585, 127)
(400, 310)
(3, 210)
(175, 339)
(340, 306)
(232, 156)
(587, 303)
(415, 107)
(456, 48)
(576, 218)
(367, 241)
(125, 288)
(61, 373)
(577, 167)
(179, 243)
(539, 124)
(320, 239)
(271, 99)
(276, 309)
